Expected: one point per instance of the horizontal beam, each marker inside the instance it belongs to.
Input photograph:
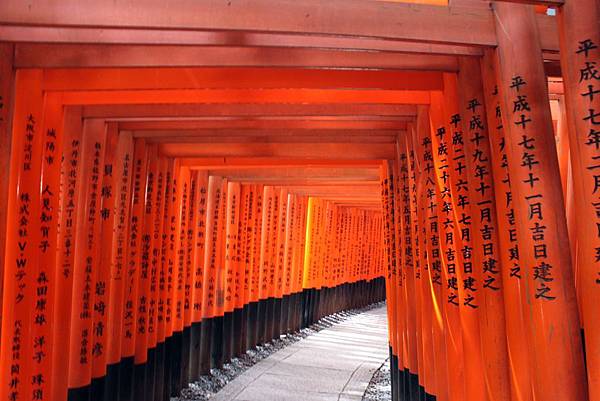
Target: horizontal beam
(350, 197)
(297, 182)
(335, 17)
(354, 199)
(259, 163)
(263, 125)
(373, 205)
(262, 122)
(288, 96)
(268, 122)
(307, 138)
(132, 111)
(353, 192)
(548, 29)
(556, 86)
(316, 174)
(280, 150)
(266, 119)
(258, 40)
(459, 25)
(366, 204)
(237, 78)
(369, 188)
(76, 55)
(256, 134)
(552, 69)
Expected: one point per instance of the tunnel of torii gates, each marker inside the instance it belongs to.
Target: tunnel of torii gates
(184, 180)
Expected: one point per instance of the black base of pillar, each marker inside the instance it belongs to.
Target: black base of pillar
(80, 393)
(284, 321)
(276, 326)
(205, 346)
(394, 380)
(216, 349)
(186, 344)
(159, 372)
(174, 357)
(227, 337)
(251, 319)
(139, 382)
(421, 393)
(413, 386)
(239, 331)
(261, 322)
(111, 383)
(269, 322)
(151, 376)
(195, 351)
(126, 376)
(98, 389)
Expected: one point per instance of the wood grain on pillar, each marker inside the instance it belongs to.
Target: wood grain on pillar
(579, 33)
(552, 319)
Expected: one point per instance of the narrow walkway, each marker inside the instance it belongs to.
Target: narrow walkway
(335, 364)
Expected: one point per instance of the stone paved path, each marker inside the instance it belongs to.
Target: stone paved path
(334, 364)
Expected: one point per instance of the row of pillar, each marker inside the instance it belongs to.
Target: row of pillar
(129, 274)
(484, 299)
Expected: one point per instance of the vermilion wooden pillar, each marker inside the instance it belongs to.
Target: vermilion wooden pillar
(295, 278)
(221, 324)
(399, 279)
(552, 319)
(579, 33)
(165, 320)
(431, 279)
(416, 250)
(187, 287)
(232, 221)
(512, 277)
(299, 257)
(486, 257)
(45, 266)
(462, 207)
(6, 101)
(132, 274)
(449, 292)
(265, 254)
(86, 264)
(122, 172)
(70, 182)
(199, 226)
(434, 252)
(241, 310)
(257, 211)
(145, 233)
(22, 233)
(392, 283)
(423, 286)
(103, 280)
(155, 345)
(287, 264)
(407, 267)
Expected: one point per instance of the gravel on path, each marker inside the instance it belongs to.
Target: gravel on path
(380, 386)
(208, 385)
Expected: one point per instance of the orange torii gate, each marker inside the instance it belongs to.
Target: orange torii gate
(168, 207)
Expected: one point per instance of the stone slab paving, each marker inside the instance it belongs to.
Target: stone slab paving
(335, 364)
